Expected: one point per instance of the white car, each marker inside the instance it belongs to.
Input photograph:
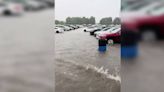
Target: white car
(66, 28)
(89, 29)
(59, 30)
(8, 8)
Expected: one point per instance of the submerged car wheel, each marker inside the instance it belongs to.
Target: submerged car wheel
(110, 42)
(91, 33)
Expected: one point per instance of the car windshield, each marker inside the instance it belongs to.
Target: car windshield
(111, 29)
(126, 4)
(116, 30)
(149, 7)
(105, 29)
(159, 10)
(137, 6)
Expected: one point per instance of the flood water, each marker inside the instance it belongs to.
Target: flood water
(81, 68)
(27, 53)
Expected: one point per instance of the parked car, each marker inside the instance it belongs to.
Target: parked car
(114, 35)
(95, 30)
(32, 5)
(7, 8)
(90, 28)
(70, 28)
(64, 27)
(111, 30)
(103, 30)
(80, 26)
(148, 23)
(59, 30)
(67, 28)
(73, 26)
(29, 4)
(50, 3)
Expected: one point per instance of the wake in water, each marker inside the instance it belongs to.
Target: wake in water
(104, 72)
(101, 70)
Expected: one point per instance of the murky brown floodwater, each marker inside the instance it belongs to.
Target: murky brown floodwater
(27, 53)
(81, 68)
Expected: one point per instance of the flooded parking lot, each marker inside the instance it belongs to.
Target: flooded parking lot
(81, 68)
(145, 73)
(27, 58)
(27, 53)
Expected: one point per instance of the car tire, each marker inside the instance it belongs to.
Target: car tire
(7, 12)
(111, 42)
(85, 30)
(91, 33)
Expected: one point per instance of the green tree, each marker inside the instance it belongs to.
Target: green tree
(80, 20)
(106, 21)
(68, 20)
(117, 21)
(92, 20)
(59, 22)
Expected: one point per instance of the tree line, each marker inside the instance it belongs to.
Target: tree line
(79, 20)
(91, 20)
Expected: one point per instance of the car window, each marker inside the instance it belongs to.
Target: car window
(115, 30)
(137, 6)
(111, 29)
(149, 7)
(159, 10)
(126, 4)
(105, 29)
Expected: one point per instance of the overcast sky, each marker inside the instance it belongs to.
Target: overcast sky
(87, 8)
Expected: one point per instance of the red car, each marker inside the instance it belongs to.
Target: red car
(114, 35)
(150, 24)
